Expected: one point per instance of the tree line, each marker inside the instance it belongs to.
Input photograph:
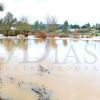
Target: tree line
(9, 25)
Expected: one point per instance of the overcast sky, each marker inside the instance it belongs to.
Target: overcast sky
(75, 11)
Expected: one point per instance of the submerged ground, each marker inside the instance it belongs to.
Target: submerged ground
(49, 69)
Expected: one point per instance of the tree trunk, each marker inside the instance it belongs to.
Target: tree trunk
(7, 32)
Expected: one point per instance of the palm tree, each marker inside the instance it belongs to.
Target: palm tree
(1, 7)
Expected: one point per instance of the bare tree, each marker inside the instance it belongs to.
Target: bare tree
(54, 23)
(51, 22)
(48, 22)
(24, 19)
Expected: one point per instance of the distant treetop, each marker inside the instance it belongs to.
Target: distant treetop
(2, 7)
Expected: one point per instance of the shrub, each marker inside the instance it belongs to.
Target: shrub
(40, 34)
(64, 35)
(51, 35)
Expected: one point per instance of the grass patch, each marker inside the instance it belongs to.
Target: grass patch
(98, 34)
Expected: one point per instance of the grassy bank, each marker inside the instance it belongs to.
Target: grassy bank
(81, 33)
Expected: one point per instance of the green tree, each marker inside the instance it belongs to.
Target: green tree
(1, 7)
(8, 22)
(94, 26)
(75, 26)
(1, 25)
(36, 25)
(42, 26)
(86, 26)
(60, 27)
(19, 27)
(23, 25)
(1, 20)
(65, 26)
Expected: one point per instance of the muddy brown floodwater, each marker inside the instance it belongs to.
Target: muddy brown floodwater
(49, 69)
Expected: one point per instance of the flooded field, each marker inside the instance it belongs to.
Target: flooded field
(49, 69)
